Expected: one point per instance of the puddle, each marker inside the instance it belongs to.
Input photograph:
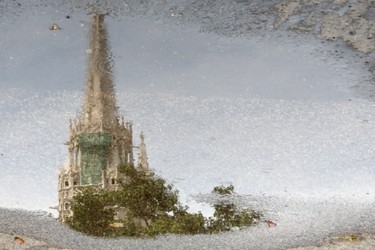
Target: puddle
(286, 118)
(287, 112)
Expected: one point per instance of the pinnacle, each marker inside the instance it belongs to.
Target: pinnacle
(99, 110)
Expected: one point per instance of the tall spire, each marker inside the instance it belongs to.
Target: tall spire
(99, 110)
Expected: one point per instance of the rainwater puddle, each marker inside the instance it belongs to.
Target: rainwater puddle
(269, 100)
(274, 114)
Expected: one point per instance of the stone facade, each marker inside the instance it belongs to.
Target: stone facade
(100, 140)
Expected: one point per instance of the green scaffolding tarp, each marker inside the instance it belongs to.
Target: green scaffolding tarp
(94, 154)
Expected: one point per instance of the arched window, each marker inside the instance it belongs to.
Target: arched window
(113, 181)
(66, 183)
(66, 206)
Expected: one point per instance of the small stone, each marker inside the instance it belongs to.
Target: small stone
(54, 27)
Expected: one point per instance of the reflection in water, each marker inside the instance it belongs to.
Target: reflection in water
(323, 146)
(99, 78)
(100, 142)
(268, 74)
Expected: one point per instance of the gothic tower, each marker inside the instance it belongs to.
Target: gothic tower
(100, 141)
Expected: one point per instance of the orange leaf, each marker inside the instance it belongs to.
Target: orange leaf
(19, 240)
(270, 223)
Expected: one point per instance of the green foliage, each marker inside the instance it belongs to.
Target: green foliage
(146, 197)
(152, 208)
(130, 229)
(91, 213)
(227, 215)
(181, 222)
(222, 190)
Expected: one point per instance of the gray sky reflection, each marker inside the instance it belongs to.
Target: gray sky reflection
(151, 56)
